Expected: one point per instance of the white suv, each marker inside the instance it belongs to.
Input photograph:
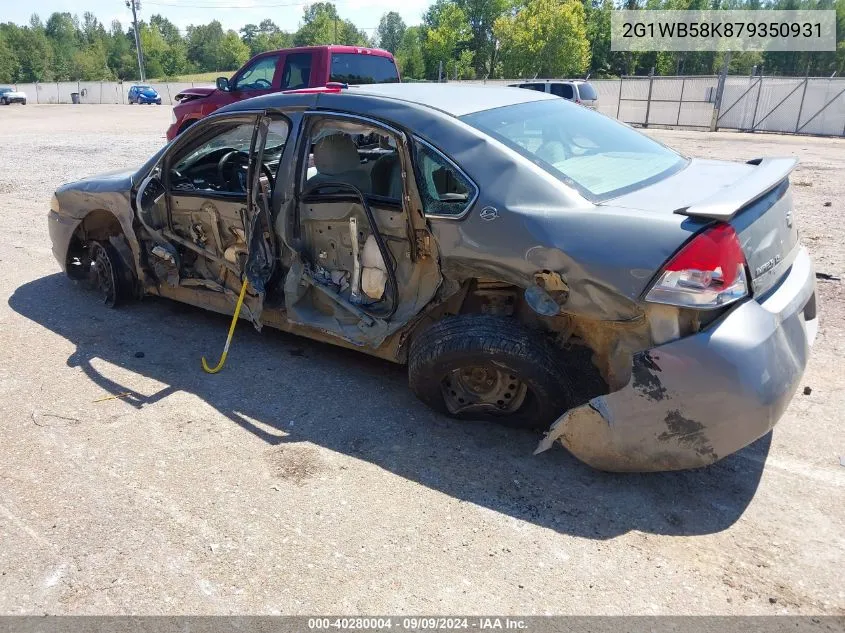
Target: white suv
(576, 90)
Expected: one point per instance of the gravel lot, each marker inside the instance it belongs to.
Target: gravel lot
(307, 479)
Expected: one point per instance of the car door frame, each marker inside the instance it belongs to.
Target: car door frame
(417, 229)
(160, 170)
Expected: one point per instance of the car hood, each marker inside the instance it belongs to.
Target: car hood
(14, 93)
(699, 180)
(113, 181)
(194, 93)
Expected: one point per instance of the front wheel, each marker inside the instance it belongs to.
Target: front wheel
(108, 275)
(23, 102)
(5, 101)
(482, 367)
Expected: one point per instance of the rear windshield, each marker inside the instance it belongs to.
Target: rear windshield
(587, 92)
(587, 150)
(351, 68)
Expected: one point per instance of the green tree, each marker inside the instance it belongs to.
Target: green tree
(447, 33)
(121, 57)
(482, 15)
(267, 36)
(9, 67)
(391, 30)
(233, 52)
(62, 30)
(204, 47)
(321, 24)
(32, 49)
(544, 38)
(409, 56)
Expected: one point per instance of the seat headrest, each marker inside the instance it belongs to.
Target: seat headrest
(336, 154)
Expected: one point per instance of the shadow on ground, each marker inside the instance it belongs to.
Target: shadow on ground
(351, 403)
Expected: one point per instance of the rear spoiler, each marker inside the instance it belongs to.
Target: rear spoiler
(726, 202)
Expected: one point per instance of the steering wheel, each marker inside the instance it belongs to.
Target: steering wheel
(261, 84)
(237, 158)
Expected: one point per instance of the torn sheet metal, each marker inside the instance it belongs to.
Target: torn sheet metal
(695, 400)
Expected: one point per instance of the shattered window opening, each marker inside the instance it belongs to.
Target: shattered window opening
(444, 189)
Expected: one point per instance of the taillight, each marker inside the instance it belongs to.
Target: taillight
(709, 272)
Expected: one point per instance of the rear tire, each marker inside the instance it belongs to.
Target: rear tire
(481, 367)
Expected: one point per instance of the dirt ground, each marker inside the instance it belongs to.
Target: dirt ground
(306, 479)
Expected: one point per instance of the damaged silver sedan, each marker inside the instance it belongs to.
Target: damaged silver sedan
(531, 261)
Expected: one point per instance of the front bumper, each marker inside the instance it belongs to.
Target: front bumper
(61, 230)
(698, 399)
(16, 99)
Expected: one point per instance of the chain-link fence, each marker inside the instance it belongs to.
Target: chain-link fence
(795, 105)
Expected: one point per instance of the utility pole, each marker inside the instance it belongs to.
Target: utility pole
(135, 5)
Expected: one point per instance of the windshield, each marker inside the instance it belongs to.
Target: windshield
(352, 68)
(586, 150)
(5, 90)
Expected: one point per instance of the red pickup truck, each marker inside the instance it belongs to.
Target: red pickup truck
(286, 69)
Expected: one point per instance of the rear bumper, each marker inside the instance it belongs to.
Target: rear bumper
(698, 399)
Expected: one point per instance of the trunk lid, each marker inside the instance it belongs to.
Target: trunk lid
(754, 198)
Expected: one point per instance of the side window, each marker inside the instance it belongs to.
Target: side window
(259, 76)
(563, 90)
(537, 87)
(297, 71)
(218, 164)
(356, 154)
(444, 189)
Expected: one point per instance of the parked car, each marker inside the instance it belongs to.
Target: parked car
(531, 261)
(581, 92)
(9, 96)
(281, 70)
(141, 94)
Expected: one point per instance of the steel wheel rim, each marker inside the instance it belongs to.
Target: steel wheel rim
(483, 389)
(103, 271)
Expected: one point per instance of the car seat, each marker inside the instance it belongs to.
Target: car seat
(336, 159)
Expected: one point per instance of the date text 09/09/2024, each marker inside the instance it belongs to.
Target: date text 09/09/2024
(417, 624)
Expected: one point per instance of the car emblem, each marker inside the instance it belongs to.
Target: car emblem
(789, 219)
(489, 213)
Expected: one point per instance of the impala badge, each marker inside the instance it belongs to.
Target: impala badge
(489, 213)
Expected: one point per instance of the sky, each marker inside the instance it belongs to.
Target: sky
(232, 14)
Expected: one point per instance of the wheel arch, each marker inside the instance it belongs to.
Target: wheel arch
(101, 225)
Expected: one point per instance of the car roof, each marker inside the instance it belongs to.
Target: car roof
(453, 99)
(550, 81)
(331, 48)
